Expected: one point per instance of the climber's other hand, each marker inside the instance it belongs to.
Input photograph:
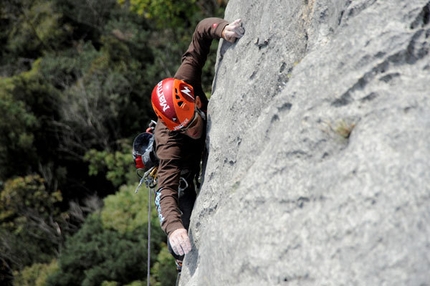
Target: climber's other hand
(180, 242)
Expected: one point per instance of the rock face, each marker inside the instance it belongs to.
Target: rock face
(319, 141)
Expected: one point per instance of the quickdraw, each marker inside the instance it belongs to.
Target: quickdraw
(149, 178)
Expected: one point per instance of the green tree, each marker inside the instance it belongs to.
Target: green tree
(167, 14)
(164, 270)
(127, 210)
(88, 91)
(36, 274)
(32, 227)
(174, 13)
(16, 129)
(101, 99)
(35, 27)
(104, 80)
(29, 29)
(110, 247)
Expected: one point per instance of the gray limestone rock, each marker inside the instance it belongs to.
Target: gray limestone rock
(319, 148)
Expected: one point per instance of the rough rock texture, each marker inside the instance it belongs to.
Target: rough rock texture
(319, 137)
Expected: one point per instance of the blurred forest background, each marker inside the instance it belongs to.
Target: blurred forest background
(75, 84)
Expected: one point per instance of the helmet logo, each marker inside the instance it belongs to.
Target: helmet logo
(161, 97)
(187, 91)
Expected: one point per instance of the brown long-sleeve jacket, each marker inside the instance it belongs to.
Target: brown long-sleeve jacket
(177, 152)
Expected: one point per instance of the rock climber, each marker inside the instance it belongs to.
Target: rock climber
(180, 105)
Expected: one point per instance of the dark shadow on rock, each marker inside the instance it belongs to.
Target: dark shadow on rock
(193, 256)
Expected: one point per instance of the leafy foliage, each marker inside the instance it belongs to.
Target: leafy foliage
(30, 28)
(110, 246)
(15, 128)
(101, 91)
(126, 210)
(168, 13)
(36, 274)
(35, 28)
(28, 212)
(164, 270)
(96, 254)
(117, 166)
(22, 102)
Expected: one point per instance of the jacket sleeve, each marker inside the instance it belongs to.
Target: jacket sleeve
(193, 60)
(176, 153)
(168, 150)
(170, 146)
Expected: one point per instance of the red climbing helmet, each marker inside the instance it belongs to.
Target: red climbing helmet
(174, 103)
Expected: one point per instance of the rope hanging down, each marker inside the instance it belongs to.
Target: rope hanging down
(150, 180)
